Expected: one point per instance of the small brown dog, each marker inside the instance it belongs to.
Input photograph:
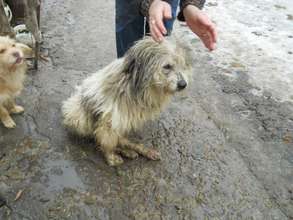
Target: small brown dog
(12, 74)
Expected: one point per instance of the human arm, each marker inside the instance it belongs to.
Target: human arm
(157, 10)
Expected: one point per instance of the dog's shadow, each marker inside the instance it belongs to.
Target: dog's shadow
(82, 148)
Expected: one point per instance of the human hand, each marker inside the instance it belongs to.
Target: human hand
(201, 25)
(158, 11)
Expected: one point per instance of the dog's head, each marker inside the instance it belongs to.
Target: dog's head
(12, 53)
(163, 66)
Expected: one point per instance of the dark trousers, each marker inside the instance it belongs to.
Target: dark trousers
(131, 25)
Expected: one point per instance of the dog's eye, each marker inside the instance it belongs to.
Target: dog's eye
(2, 50)
(168, 67)
(13, 45)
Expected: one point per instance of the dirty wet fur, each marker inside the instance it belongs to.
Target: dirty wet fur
(12, 75)
(125, 94)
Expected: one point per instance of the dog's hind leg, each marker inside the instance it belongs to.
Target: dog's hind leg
(139, 148)
(5, 118)
(108, 141)
(13, 108)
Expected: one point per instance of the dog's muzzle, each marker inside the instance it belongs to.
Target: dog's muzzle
(181, 84)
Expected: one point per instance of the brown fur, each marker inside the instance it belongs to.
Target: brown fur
(12, 76)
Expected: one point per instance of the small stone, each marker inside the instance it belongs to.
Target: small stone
(287, 139)
(267, 94)
(177, 207)
(237, 65)
(280, 7)
(44, 200)
(89, 199)
(212, 4)
(257, 33)
(290, 17)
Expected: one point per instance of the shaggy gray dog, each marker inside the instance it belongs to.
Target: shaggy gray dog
(125, 94)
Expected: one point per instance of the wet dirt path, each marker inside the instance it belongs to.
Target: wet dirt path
(227, 153)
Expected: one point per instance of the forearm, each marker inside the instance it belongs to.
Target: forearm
(145, 6)
(183, 3)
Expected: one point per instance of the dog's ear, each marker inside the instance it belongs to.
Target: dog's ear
(27, 51)
(129, 65)
(139, 76)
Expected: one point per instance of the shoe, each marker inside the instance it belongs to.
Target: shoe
(8, 12)
(22, 35)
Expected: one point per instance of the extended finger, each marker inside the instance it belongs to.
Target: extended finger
(207, 40)
(213, 32)
(211, 42)
(158, 33)
(160, 26)
(155, 32)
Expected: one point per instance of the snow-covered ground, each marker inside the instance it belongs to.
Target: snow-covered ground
(257, 37)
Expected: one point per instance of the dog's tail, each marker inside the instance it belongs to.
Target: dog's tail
(75, 117)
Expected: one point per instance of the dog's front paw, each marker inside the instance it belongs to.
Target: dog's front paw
(9, 123)
(153, 154)
(114, 159)
(17, 109)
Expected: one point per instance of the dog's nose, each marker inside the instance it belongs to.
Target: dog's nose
(16, 54)
(181, 84)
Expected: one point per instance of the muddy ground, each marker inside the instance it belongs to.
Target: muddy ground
(226, 143)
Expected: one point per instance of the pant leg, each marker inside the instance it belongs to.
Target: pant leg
(169, 23)
(127, 35)
(129, 25)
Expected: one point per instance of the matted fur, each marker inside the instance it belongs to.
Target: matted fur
(128, 92)
(12, 75)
